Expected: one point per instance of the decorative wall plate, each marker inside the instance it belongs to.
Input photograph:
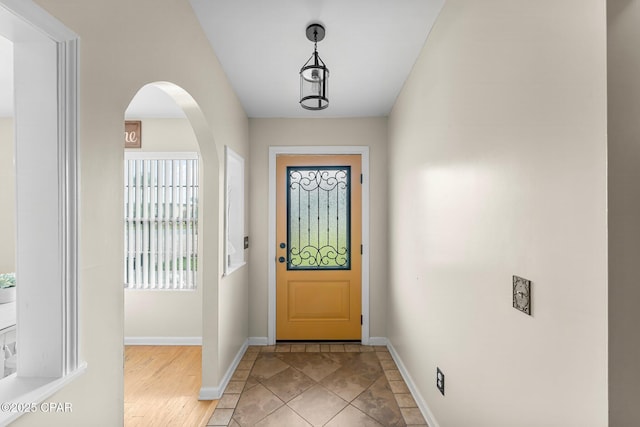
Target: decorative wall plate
(522, 294)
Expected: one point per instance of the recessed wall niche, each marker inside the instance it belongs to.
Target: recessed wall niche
(234, 211)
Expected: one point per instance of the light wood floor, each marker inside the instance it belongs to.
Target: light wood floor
(161, 385)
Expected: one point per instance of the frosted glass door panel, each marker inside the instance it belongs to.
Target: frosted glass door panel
(318, 218)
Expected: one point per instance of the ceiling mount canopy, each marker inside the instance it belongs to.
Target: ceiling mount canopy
(314, 74)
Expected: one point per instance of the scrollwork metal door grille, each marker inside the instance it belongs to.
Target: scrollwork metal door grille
(319, 218)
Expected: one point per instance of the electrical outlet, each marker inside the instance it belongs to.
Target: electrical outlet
(440, 380)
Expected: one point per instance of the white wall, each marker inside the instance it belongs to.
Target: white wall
(125, 45)
(497, 149)
(7, 198)
(233, 290)
(624, 211)
(264, 133)
(149, 314)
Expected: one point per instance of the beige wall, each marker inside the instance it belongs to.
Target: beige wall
(125, 45)
(497, 149)
(624, 211)
(264, 133)
(233, 290)
(7, 198)
(165, 313)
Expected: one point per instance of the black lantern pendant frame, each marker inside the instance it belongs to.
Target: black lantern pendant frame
(314, 74)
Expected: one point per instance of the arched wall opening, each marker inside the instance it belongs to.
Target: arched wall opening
(180, 317)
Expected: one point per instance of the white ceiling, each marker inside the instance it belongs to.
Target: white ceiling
(369, 48)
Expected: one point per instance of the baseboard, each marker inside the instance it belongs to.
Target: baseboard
(378, 341)
(212, 393)
(422, 404)
(209, 393)
(162, 340)
(258, 341)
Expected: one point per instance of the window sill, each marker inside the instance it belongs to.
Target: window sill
(30, 393)
(233, 267)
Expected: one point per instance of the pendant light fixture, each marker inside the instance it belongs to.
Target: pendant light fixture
(314, 75)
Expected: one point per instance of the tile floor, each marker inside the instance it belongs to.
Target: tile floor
(332, 385)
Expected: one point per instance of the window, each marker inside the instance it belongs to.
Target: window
(161, 220)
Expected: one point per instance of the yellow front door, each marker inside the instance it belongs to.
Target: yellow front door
(318, 253)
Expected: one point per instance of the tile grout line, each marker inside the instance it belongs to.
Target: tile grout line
(399, 386)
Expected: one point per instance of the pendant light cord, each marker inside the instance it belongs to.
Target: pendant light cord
(315, 40)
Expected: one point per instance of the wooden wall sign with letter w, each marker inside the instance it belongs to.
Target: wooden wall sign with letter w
(132, 134)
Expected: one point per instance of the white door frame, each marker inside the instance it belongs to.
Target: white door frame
(46, 165)
(363, 151)
(47, 191)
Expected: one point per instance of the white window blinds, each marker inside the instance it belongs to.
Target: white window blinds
(161, 220)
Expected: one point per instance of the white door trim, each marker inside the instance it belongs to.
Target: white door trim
(273, 152)
(47, 188)
(47, 166)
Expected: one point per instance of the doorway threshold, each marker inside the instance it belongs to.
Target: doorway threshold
(317, 341)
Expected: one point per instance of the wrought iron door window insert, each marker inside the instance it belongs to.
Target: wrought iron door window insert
(319, 217)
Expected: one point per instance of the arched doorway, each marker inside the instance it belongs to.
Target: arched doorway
(156, 312)
(163, 297)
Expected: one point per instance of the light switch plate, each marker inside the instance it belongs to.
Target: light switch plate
(522, 294)
(440, 380)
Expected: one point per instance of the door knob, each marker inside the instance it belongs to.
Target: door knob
(281, 259)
